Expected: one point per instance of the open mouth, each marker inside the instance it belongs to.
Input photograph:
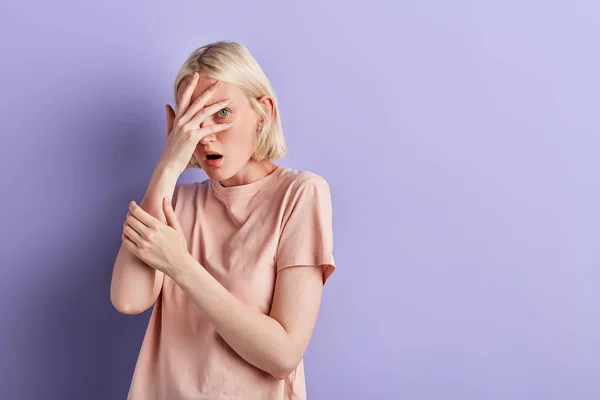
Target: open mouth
(213, 160)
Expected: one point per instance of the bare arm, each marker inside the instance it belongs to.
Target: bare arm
(274, 343)
(135, 286)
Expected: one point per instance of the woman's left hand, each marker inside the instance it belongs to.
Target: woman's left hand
(161, 246)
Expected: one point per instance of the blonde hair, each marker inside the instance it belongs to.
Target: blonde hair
(232, 63)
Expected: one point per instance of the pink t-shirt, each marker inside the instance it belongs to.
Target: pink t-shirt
(242, 235)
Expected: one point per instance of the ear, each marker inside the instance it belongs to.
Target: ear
(170, 118)
(269, 106)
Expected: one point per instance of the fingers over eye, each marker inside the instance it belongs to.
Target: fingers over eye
(186, 96)
(198, 105)
(206, 112)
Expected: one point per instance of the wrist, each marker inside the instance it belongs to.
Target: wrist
(166, 171)
(186, 265)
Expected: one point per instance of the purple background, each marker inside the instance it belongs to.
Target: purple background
(460, 140)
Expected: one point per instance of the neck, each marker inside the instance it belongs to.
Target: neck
(251, 172)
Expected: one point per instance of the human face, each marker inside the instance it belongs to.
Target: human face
(236, 144)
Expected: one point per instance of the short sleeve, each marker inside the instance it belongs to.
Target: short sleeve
(307, 233)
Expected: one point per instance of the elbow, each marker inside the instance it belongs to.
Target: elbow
(127, 309)
(281, 373)
(284, 367)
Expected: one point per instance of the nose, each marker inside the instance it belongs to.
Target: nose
(210, 137)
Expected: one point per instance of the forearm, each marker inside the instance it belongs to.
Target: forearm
(135, 285)
(256, 337)
(162, 184)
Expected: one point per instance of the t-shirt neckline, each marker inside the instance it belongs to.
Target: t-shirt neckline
(249, 188)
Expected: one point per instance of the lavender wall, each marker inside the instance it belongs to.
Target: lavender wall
(460, 140)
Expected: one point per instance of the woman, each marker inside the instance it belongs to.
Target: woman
(234, 265)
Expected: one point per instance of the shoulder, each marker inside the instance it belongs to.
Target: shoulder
(298, 181)
(302, 190)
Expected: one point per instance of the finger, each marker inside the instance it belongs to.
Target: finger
(199, 103)
(172, 220)
(186, 96)
(207, 130)
(134, 223)
(132, 235)
(129, 243)
(170, 118)
(139, 213)
(127, 216)
(207, 112)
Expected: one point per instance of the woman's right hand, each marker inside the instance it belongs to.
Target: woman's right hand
(183, 128)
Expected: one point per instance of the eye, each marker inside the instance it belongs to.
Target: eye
(223, 113)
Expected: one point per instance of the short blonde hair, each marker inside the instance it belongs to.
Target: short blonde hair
(232, 63)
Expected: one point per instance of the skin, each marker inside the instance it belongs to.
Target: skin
(237, 142)
(276, 342)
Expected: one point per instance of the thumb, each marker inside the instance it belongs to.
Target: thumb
(172, 220)
(170, 118)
